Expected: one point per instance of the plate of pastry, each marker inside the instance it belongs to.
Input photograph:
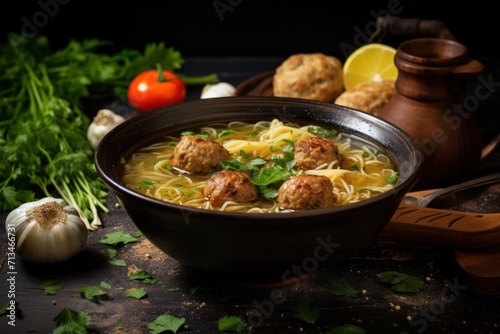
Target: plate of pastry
(317, 76)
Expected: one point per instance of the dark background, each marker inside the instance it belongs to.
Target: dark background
(244, 27)
(250, 28)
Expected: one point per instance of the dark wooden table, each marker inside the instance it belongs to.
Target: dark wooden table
(445, 305)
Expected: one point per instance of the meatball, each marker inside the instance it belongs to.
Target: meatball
(197, 155)
(312, 152)
(305, 192)
(228, 185)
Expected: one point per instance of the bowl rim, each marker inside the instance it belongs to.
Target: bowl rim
(400, 188)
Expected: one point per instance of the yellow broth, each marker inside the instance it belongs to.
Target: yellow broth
(366, 171)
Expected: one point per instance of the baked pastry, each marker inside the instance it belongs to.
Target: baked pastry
(369, 97)
(313, 76)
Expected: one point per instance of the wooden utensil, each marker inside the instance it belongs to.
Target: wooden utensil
(481, 269)
(426, 199)
(456, 229)
(475, 238)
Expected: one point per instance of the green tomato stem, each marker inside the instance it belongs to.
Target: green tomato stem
(199, 80)
(189, 80)
(161, 77)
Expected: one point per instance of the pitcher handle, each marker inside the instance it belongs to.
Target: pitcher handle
(399, 26)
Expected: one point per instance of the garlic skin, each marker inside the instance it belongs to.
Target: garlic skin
(220, 89)
(103, 122)
(46, 231)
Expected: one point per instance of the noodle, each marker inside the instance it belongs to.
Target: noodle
(364, 173)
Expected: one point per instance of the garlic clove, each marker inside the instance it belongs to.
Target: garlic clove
(220, 89)
(103, 122)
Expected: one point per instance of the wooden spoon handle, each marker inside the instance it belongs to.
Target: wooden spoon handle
(481, 269)
(455, 229)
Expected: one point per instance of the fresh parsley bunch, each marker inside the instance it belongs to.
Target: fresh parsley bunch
(43, 125)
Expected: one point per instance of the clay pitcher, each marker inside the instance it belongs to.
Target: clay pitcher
(431, 106)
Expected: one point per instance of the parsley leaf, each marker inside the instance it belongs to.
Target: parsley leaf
(105, 285)
(51, 287)
(269, 175)
(225, 133)
(91, 292)
(393, 178)
(117, 238)
(237, 164)
(338, 289)
(401, 282)
(320, 131)
(140, 275)
(146, 184)
(117, 262)
(8, 307)
(231, 324)
(137, 293)
(306, 313)
(70, 321)
(347, 329)
(112, 253)
(166, 322)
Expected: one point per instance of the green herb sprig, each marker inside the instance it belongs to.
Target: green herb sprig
(266, 175)
(401, 282)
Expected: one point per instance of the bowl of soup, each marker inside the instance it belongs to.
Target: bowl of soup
(258, 188)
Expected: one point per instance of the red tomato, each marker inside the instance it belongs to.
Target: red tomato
(148, 91)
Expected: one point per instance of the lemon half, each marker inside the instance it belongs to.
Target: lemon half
(372, 62)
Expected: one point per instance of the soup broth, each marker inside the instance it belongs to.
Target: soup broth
(366, 170)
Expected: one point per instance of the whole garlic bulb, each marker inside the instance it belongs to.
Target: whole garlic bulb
(103, 122)
(46, 231)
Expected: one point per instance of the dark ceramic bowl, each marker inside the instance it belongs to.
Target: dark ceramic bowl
(257, 247)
